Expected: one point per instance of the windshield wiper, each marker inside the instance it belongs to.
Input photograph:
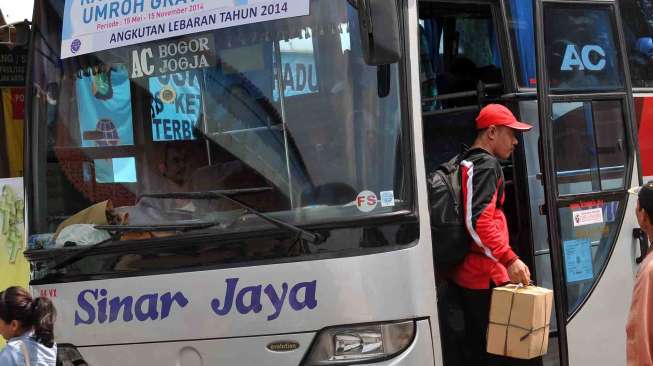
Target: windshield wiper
(132, 228)
(314, 238)
(182, 226)
(203, 195)
(196, 225)
(311, 237)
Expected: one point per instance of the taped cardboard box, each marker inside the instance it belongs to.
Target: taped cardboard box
(519, 321)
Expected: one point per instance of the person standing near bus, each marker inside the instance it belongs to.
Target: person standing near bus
(639, 329)
(28, 326)
(490, 261)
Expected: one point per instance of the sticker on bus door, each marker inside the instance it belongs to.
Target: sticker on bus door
(588, 217)
(578, 260)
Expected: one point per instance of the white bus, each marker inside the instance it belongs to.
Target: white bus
(244, 182)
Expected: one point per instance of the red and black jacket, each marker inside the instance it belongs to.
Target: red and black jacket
(490, 254)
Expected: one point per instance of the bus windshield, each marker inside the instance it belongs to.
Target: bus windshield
(284, 112)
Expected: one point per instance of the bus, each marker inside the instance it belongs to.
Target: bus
(218, 182)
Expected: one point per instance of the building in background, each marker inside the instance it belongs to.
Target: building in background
(14, 39)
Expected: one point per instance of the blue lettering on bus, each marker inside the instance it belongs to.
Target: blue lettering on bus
(96, 306)
(93, 306)
(248, 298)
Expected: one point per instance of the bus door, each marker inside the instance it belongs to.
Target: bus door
(587, 165)
(464, 64)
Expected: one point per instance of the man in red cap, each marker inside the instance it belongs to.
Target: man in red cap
(490, 261)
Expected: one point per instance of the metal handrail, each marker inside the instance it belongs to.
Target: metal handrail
(470, 93)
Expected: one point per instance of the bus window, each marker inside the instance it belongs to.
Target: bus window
(458, 49)
(588, 231)
(638, 32)
(590, 146)
(591, 153)
(327, 149)
(586, 59)
(520, 22)
(299, 69)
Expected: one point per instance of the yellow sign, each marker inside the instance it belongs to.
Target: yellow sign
(14, 268)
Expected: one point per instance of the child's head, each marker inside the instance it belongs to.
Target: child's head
(20, 313)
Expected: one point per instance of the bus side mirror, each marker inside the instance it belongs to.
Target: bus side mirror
(379, 29)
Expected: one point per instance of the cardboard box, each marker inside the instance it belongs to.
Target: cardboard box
(519, 321)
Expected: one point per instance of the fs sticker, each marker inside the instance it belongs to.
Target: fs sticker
(366, 201)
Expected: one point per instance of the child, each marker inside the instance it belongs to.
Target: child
(27, 325)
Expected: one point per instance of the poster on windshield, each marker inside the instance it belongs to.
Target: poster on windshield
(104, 106)
(171, 56)
(176, 106)
(95, 25)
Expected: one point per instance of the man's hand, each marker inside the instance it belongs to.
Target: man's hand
(519, 273)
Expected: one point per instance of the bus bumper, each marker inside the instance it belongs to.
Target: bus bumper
(236, 351)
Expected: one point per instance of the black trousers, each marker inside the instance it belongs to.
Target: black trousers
(464, 317)
(476, 310)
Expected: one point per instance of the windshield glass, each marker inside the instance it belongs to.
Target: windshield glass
(286, 104)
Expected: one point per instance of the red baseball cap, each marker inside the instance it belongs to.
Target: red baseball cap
(498, 115)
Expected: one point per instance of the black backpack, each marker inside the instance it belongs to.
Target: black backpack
(448, 232)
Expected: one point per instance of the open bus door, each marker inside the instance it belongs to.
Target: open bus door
(587, 165)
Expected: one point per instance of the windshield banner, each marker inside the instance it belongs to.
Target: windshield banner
(91, 25)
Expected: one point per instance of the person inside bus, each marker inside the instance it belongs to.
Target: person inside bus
(639, 329)
(172, 175)
(174, 167)
(490, 261)
(27, 324)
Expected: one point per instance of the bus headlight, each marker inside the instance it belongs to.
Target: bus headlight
(360, 343)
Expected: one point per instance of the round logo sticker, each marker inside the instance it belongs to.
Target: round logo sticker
(168, 94)
(366, 201)
(74, 47)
